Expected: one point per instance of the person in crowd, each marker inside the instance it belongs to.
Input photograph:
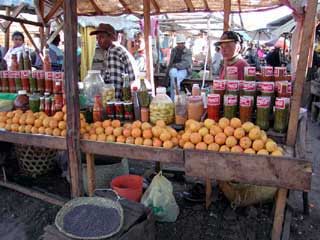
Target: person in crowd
(139, 51)
(216, 61)
(231, 44)
(111, 59)
(273, 58)
(179, 64)
(251, 56)
(18, 47)
(56, 54)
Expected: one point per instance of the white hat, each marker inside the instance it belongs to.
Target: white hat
(180, 39)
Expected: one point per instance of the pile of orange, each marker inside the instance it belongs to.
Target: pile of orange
(227, 136)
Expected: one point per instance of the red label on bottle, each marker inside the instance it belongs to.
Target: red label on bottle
(280, 103)
(219, 85)
(250, 71)
(214, 99)
(25, 74)
(41, 74)
(263, 102)
(280, 71)
(245, 101)
(267, 71)
(12, 74)
(249, 86)
(289, 88)
(49, 75)
(267, 87)
(231, 100)
(232, 71)
(5, 74)
(34, 74)
(57, 75)
(233, 85)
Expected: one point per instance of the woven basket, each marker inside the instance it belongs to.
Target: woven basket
(241, 195)
(35, 161)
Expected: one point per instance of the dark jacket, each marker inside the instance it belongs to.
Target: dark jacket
(186, 60)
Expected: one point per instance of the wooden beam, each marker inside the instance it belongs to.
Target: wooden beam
(155, 5)
(7, 33)
(53, 36)
(41, 29)
(281, 201)
(148, 43)
(39, 15)
(307, 32)
(53, 10)
(14, 14)
(19, 20)
(95, 6)
(226, 15)
(30, 38)
(125, 6)
(72, 98)
(91, 176)
(260, 170)
(189, 5)
(206, 5)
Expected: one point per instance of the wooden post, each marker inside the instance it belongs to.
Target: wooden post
(308, 27)
(148, 43)
(226, 15)
(41, 29)
(281, 200)
(91, 174)
(7, 33)
(72, 97)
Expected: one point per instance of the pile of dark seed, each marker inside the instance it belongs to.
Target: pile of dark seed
(91, 221)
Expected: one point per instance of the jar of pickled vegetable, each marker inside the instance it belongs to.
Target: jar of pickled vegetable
(249, 88)
(281, 114)
(195, 108)
(263, 112)
(246, 108)
(180, 109)
(280, 73)
(267, 89)
(249, 73)
(230, 106)
(214, 105)
(219, 87)
(231, 73)
(161, 107)
(48, 82)
(266, 74)
(40, 81)
(34, 103)
(233, 87)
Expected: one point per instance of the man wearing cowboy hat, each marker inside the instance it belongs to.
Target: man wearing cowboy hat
(180, 64)
(112, 60)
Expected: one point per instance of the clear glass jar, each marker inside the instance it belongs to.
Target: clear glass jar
(22, 101)
(161, 107)
(195, 108)
(180, 102)
(93, 83)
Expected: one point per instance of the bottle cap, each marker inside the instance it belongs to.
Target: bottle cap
(22, 92)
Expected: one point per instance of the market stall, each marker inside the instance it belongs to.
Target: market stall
(282, 172)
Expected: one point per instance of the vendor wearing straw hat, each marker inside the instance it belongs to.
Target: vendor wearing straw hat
(231, 44)
(180, 64)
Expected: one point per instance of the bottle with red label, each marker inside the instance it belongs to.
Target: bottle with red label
(5, 81)
(267, 89)
(246, 108)
(97, 109)
(214, 106)
(233, 87)
(230, 106)
(280, 73)
(47, 62)
(231, 73)
(25, 76)
(281, 114)
(263, 112)
(219, 87)
(267, 74)
(249, 73)
(48, 82)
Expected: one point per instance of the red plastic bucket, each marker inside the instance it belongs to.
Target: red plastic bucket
(128, 186)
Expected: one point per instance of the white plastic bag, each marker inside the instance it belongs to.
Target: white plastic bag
(159, 197)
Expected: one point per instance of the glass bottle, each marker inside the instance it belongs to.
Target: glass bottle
(26, 61)
(53, 106)
(143, 95)
(126, 91)
(161, 107)
(97, 109)
(136, 105)
(21, 66)
(47, 105)
(34, 102)
(14, 63)
(42, 104)
(47, 61)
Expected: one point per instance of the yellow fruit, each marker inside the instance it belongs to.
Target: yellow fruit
(208, 139)
(136, 132)
(239, 133)
(21, 129)
(271, 146)
(65, 117)
(224, 148)
(53, 123)
(99, 130)
(145, 126)
(201, 146)
(82, 130)
(58, 116)
(121, 139)
(48, 131)
(247, 126)
(277, 153)
(10, 114)
(127, 125)
(18, 112)
(228, 131)
(220, 138)
(14, 127)
(41, 130)
(213, 147)
(130, 140)
(126, 132)
(34, 130)
(83, 123)
(116, 123)
(263, 152)
(167, 144)
(195, 126)
(188, 122)
(147, 133)
(235, 123)
(208, 123)
(117, 131)
(237, 149)
(231, 141)
(56, 132)
(280, 149)
(255, 133)
(203, 131)
(245, 142)
(106, 123)
(160, 123)
(101, 137)
(111, 138)
(147, 142)
(62, 125)
(136, 124)
(175, 141)
(188, 145)
(108, 130)
(257, 144)
(8, 127)
(249, 151)
(138, 141)
(157, 142)
(165, 136)
(195, 137)
(224, 122)
(186, 136)
(263, 136)
(93, 137)
(2, 124)
(4, 119)
(9, 121)
(215, 129)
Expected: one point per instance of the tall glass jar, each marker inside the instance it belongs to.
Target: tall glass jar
(195, 108)
(143, 95)
(263, 112)
(161, 107)
(181, 113)
(34, 102)
(93, 83)
(230, 106)
(281, 115)
(214, 106)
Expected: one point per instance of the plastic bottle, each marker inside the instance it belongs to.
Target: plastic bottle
(136, 106)
(47, 61)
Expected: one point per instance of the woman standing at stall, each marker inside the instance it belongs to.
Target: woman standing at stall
(18, 47)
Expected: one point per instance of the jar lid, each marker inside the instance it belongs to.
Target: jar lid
(195, 85)
(93, 71)
(195, 98)
(161, 90)
(22, 92)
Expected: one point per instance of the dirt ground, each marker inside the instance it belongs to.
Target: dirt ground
(24, 217)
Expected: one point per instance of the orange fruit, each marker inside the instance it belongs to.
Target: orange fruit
(127, 125)
(82, 130)
(46, 122)
(147, 133)
(117, 131)
(65, 117)
(257, 144)
(48, 131)
(82, 123)
(145, 126)
(115, 123)
(223, 122)
(231, 141)
(18, 112)
(82, 117)
(228, 131)
(136, 124)
(172, 131)
(147, 142)
(156, 131)
(21, 129)
(53, 123)
(58, 116)
(220, 138)
(181, 142)
(30, 120)
(99, 130)
(237, 149)
(126, 132)
(14, 127)
(208, 123)
(111, 138)
(15, 119)
(263, 152)
(215, 129)
(249, 151)
(64, 133)
(93, 137)
(224, 148)
(213, 147)
(97, 124)
(41, 130)
(9, 121)
(195, 138)
(255, 133)
(235, 123)
(38, 123)
(247, 126)
(203, 131)
(271, 146)
(186, 136)
(277, 153)
(64, 108)
(156, 142)
(101, 137)
(56, 132)
(3, 119)
(106, 123)
(130, 140)
(2, 124)
(245, 142)
(8, 127)
(208, 139)
(167, 144)
(165, 136)
(160, 123)
(239, 133)
(188, 145)
(108, 130)
(34, 130)
(10, 114)
(92, 131)
(195, 126)
(136, 132)
(121, 139)
(138, 141)
(62, 125)
(201, 146)
(175, 141)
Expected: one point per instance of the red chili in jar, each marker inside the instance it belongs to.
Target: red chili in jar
(214, 105)
(110, 111)
(40, 81)
(118, 106)
(12, 82)
(47, 106)
(25, 75)
(58, 100)
(48, 84)
(246, 108)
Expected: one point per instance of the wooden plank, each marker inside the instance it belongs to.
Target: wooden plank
(56, 32)
(95, 6)
(34, 140)
(287, 225)
(148, 43)
(226, 14)
(14, 14)
(53, 10)
(255, 169)
(308, 26)
(281, 200)
(155, 5)
(189, 5)
(7, 33)
(91, 176)
(133, 151)
(72, 98)
(19, 20)
(125, 6)
(39, 15)
(41, 29)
